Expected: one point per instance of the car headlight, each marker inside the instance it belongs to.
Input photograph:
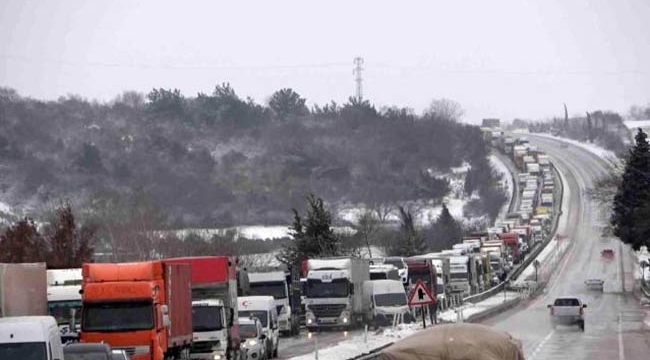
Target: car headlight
(252, 342)
(309, 321)
(216, 357)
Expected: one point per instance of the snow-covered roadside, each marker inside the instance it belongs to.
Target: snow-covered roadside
(607, 155)
(506, 181)
(361, 344)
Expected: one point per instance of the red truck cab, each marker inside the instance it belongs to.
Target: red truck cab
(143, 308)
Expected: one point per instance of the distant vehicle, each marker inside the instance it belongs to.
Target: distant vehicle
(30, 338)
(119, 355)
(400, 264)
(254, 342)
(277, 284)
(23, 289)
(64, 301)
(263, 308)
(384, 272)
(595, 284)
(607, 254)
(87, 351)
(568, 311)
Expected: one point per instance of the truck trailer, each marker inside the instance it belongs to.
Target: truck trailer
(23, 289)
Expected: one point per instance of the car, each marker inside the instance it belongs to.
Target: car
(87, 351)
(568, 310)
(595, 284)
(254, 341)
(119, 355)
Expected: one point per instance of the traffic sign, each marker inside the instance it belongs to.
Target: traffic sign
(420, 295)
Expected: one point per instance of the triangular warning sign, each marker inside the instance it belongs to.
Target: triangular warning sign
(420, 295)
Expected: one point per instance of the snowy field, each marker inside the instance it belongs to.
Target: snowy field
(506, 182)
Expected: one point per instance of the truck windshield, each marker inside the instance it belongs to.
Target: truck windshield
(336, 289)
(60, 310)
(247, 331)
(398, 263)
(206, 318)
(117, 316)
(276, 289)
(395, 299)
(425, 277)
(261, 315)
(378, 276)
(23, 351)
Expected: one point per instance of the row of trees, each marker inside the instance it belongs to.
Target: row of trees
(61, 244)
(313, 235)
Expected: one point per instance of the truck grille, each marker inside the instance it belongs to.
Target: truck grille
(202, 347)
(327, 310)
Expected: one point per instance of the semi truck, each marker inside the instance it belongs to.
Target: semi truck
(143, 308)
(23, 289)
(278, 285)
(459, 275)
(64, 300)
(215, 282)
(334, 295)
(440, 264)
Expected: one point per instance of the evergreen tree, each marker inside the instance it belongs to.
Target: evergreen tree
(313, 237)
(444, 232)
(21, 242)
(632, 201)
(70, 246)
(411, 241)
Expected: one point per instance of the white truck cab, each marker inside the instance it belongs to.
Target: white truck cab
(64, 300)
(274, 284)
(400, 264)
(209, 330)
(30, 337)
(263, 308)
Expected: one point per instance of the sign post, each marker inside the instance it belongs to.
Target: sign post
(420, 295)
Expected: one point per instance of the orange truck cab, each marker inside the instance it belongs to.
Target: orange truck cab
(144, 308)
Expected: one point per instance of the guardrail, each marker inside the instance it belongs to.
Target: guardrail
(645, 289)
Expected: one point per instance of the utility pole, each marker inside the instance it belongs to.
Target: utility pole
(358, 63)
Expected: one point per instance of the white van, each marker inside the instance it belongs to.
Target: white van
(30, 337)
(388, 299)
(263, 308)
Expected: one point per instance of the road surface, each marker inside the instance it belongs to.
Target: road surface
(616, 325)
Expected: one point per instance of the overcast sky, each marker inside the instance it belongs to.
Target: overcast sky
(497, 58)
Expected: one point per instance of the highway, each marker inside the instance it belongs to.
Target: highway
(616, 325)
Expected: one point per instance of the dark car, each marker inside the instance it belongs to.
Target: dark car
(87, 351)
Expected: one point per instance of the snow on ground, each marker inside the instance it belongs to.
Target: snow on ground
(506, 182)
(255, 232)
(5, 208)
(604, 154)
(635, 124)
(361, 344)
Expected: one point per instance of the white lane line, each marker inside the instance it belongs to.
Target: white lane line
(541, 344)
(621, 350)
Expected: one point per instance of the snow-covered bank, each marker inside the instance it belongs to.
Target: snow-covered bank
(506, 182)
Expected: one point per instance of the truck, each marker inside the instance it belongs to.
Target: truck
(29, 338)
(23, 289)
(215, 283)
(64, 301)
(278, 285)
(512, 243)
(384, 272)
(439, 263)
(143, 308)
(335, 294)
(459, 275)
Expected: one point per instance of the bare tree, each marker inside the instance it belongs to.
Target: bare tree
(366, 227)
(445, 109)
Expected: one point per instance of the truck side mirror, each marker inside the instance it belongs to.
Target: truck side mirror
(164, 312)
(352, 289)
(584, 305)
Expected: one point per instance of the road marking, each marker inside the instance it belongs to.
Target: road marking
(541, 344)
(621, 350)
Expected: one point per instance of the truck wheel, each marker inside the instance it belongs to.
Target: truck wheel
(275, 353)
